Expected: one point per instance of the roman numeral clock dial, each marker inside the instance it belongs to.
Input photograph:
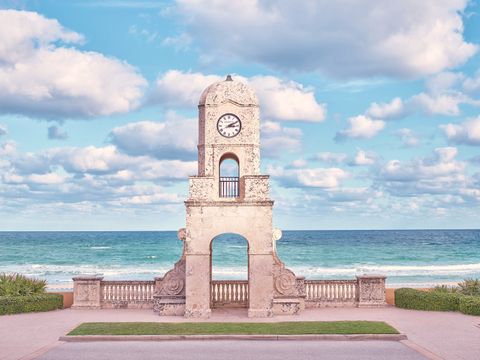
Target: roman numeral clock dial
(229, 125)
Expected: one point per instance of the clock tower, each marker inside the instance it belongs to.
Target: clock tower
(229, 129)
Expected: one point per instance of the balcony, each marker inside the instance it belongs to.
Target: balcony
(229, 187)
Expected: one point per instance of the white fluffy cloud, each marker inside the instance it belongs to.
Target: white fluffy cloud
(408, 137)
(276, 139)
(3, 130)
(325, 178)
(361, 127)
(176, 138)
(442, 164)
(467, 132)
(98, 175)
(330, 158)
(40, 78)
(443, 95)
(279, 99)
(440, 179)
(392, 110)
(406, 38)
(363, 158)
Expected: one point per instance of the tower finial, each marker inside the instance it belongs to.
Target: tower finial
(229, 78)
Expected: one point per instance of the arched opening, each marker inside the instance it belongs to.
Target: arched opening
(229, 271)
(229, 176)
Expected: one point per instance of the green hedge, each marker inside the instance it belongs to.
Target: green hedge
(470, 305)
(30, 303)
(427, 300)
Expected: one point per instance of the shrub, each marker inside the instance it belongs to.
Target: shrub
(445, 289)
(426, 300)
(470, 287)
(30, 303)
(470, 305)
(20, 285)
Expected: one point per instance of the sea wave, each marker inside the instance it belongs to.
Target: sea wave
(61, 272)
(99, 247)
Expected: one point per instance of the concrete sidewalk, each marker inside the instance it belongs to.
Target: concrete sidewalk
(447, 335)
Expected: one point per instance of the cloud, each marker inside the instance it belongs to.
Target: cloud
(55, 133)
(467, 133)
(363, 158)
(330, 158)
(287, 100)
(443, 95)
(3, 130)
(442, 165)
(96, 175)
(408, 137)
(280, 99)
(392, 110)
(176, 138)
(276, 139)
(360, 127)
(437, 180)
(472, 85)
(41, 78)
(405, 39)
(309, 177)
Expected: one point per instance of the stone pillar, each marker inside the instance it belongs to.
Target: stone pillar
(197, 286)
(371, 290)
(260, 285)
(87, 292)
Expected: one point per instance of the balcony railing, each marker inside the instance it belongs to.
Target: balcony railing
(229, 186)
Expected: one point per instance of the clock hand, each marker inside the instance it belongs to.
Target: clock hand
(233, 124)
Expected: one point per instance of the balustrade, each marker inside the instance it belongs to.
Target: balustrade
(331, 290)
(229, 293)
(127, 291)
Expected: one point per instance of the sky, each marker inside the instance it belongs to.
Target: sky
(370, 109)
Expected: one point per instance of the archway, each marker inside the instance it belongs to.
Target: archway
(229, 176)
(229, 273)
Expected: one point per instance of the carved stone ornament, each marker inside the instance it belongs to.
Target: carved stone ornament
(276, 234)
(285, 282)
(182, 234)
(173, 282)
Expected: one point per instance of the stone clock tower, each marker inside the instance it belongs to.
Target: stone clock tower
(229, 129)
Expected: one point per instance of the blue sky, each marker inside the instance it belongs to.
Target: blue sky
(370, 109)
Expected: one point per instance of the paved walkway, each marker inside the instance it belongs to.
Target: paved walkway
(234, 350)
(447, 335)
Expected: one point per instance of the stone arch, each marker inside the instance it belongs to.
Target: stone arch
(231, 289)
(229, 175)
(236, 236)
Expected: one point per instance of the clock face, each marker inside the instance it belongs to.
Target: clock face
(229, 125)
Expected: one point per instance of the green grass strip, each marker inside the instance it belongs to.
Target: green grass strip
(234, 328)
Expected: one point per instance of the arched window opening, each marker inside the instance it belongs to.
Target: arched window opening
(229, 176)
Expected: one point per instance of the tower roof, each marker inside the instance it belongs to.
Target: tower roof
(228, 90)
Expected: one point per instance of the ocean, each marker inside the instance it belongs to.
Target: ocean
(417, 258)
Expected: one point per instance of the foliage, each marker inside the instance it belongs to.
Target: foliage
(445, 289)
(30, 303)
(470, 287)
(470, 305)
(426, 300)
(204, 328)
(20, 285)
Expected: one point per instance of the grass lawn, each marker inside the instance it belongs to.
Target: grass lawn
(232, 328)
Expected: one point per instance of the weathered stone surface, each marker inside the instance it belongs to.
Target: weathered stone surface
(87, 292)
(169, 305)
(371, 290)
